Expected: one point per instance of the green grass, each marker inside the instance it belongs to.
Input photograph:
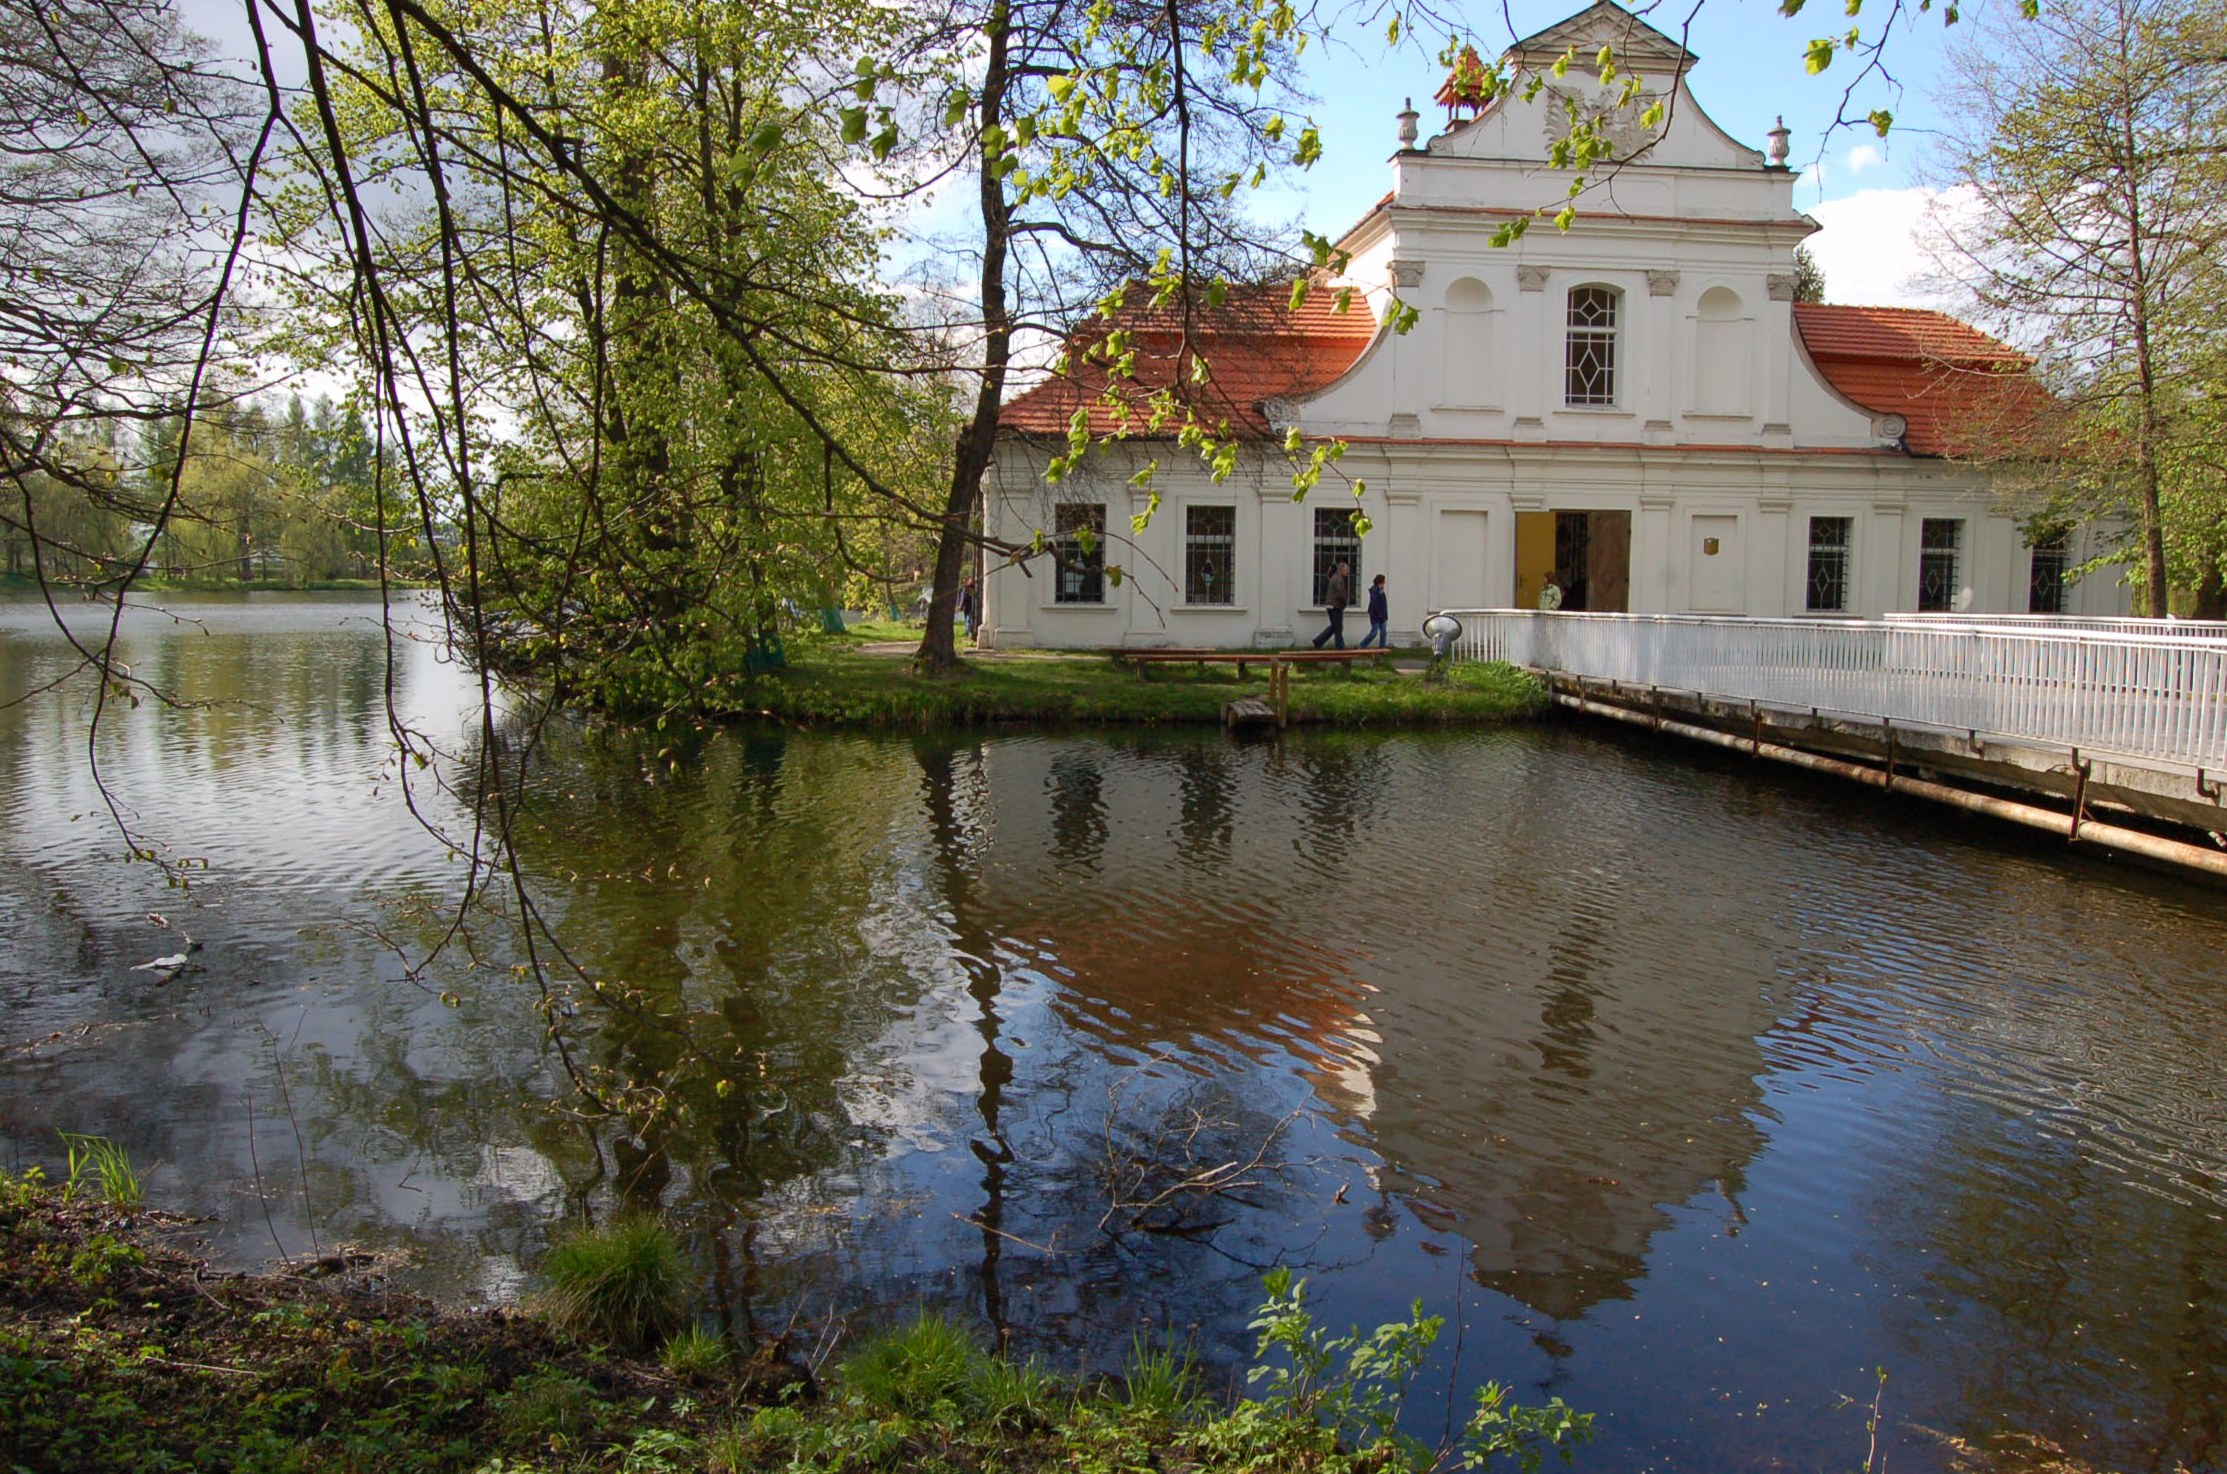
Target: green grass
(830, 682)
(626, 1283)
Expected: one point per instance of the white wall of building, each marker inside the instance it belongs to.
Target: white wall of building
(1444, 536)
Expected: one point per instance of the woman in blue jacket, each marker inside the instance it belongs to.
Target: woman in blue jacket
(1380, 614)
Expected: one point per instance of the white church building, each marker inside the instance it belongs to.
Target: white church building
(1636, 409)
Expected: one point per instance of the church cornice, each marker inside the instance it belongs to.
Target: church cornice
(1619, 450)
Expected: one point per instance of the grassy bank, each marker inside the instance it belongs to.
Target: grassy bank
(120, 1352)
(834, 681)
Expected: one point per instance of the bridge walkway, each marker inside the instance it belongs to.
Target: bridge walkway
(2100, 720)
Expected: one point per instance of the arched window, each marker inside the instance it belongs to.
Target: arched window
(1589, 359)
(1466, 365)
(1720, 354)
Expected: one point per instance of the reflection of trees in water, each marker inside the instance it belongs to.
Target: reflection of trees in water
(716, 887)
(2062, 1298)
(955, 798)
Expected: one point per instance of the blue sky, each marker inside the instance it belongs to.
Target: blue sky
(1750, 72)
(1865, 190)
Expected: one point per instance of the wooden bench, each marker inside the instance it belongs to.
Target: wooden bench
(1143, 660)
(1333, 657)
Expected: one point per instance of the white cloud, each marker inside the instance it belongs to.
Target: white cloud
(1870, 248)
(1864, 156)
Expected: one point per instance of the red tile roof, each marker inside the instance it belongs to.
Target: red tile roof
(1958, 389)
(1254, 346)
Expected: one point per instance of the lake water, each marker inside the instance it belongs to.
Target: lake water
(1687, 1090)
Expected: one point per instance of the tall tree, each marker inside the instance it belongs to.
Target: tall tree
(2087, 218)
(631, 243)
(1109, 145)
(127, 146)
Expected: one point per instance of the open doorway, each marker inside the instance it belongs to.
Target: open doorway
(1587, 554)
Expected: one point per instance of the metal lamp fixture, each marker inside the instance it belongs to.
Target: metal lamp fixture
(1442, 630)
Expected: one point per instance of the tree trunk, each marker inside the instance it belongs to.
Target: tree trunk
(2211, 589)
(977, 442)
(2153, 529)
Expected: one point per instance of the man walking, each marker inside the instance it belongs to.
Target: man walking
(1340, 594)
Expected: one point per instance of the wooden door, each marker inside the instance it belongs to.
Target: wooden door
(1534, 556)
(1608, 555)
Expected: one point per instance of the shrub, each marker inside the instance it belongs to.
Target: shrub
(694, 1352)
(624, 1284)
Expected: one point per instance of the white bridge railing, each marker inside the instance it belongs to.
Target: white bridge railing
(2133, 687)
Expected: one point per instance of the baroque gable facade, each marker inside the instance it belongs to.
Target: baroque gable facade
(1636, 409)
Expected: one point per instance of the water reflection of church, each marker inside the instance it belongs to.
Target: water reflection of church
(1249, 911)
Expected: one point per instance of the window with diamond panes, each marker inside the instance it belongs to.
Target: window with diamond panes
(1829, 538)
(1209, 555)
(1940, 546)
(2045, 586)
(1080, 577)
(1336, 542)
(1589, 376)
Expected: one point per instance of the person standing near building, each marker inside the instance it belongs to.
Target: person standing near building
(970, 608)
(1336, 597)
(1380, 615)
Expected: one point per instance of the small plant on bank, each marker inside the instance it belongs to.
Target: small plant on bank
(1160, 1378)
(911, 1370)
(1354, 1387)
(624, 1284)
(1018, 1396)
(551, 1408)
(695, 1353)
(108, 1167)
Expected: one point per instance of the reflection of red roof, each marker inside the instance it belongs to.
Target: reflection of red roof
(1958, 389)
(1254, 346)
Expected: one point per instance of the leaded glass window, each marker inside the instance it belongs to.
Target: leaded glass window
(1079, 543)
(1336, 542)
(1209, 555)
(2045, 585)
(1940, 548)
(1590, 361)
(1829, 539)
